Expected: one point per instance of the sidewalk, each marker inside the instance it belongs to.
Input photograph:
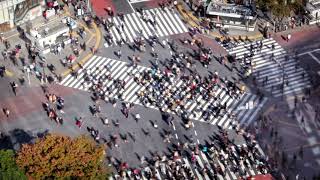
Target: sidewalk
(85, 57)
(300, 37)
(92, 39)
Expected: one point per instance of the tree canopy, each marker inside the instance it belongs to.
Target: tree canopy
(8, 167)
(57, 156)
(281, 8)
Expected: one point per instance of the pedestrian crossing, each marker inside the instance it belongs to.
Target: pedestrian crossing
(206, 166)
(245, 108)
(274, 69)
(154, 22)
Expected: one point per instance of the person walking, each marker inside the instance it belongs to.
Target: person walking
(6, 112)
(137, 117)
(301, 152)
(79, 122)
(125, 111)
(302, 121)
(119, 53)
(288, 37)
(106, 121)
(93, 50)
(14, 87)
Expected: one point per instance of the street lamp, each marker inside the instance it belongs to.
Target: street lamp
(44, 73)
(247, 24)
(283, 75)
(27, 69)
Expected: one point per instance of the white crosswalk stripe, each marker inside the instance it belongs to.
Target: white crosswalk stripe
(245, 107)
(274, 69)
(167, 23)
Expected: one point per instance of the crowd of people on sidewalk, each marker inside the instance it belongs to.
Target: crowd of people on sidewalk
(28, 54)
(54, 105)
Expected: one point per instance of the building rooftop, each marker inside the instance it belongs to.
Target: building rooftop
(232, 10)
(48, 31)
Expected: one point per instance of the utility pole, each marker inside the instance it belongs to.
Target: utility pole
(44, 74)
(28, 75)
(283, 75)
(247, 24)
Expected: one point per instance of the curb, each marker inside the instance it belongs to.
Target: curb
(185, 15)
(82, 61)
(88, 56)
(194, 22)
(9, 73)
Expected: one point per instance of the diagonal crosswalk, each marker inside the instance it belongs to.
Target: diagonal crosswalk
(274, 69)
(206, 165)
(136, 25)
(245, 107)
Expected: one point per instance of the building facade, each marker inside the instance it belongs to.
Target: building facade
(313, 11)
(16, 12)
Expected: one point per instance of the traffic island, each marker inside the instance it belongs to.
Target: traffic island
(200, 24)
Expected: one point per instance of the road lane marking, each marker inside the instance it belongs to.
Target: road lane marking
(315, 50)
(313, 57)
(131, 6)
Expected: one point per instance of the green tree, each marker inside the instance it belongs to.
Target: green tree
(265, 5)
(281, 8)
(298, 6)
(8, 167)
(61, 157)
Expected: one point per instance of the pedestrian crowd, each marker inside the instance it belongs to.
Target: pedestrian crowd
(180, 68)
(52, 106)
(220, 154)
